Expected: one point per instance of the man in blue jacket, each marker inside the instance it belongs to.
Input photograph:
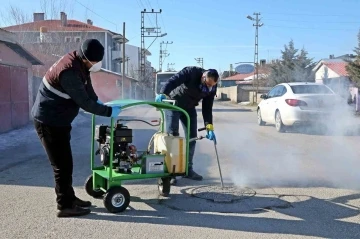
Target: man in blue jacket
(187, 88)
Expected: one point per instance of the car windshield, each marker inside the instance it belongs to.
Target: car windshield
(310, 89)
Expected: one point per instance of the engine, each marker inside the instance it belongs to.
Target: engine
(124, 153)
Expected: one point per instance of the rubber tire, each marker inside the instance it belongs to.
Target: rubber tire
(260, 122)
(280, 127)
(89, 188)
(113, 192)
(164, 186)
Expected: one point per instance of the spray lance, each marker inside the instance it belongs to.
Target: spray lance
(216, 152)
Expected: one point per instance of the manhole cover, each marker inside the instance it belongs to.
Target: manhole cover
(222, 195)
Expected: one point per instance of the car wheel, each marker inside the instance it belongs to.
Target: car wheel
(280, 127)
(259, 118)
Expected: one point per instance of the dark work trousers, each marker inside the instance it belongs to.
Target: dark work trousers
(172, 120)
(56, 142)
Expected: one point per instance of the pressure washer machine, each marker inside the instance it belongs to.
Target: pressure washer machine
(120, 159)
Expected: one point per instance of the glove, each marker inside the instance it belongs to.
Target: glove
(210, 132)
(115, 111)
(160, 97)
(99, 102)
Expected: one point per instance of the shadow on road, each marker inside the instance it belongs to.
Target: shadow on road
(305, 222)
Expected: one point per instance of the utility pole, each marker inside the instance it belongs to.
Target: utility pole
(123, 64)
(200, 61)
(168, 66)
(257, 24)
(151, 32)
(163, 53)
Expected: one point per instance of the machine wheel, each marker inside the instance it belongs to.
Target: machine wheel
(117, 199)
(280, 127)
(259, 119)
(90, 190)
(164, 186)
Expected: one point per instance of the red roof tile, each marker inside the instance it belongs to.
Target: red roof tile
(239, 77)
(338, 67)
(54, 25)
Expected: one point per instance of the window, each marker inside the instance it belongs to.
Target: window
(310, 89)
(67, 39)
(272, 92)
(77, 39)
(281, 90)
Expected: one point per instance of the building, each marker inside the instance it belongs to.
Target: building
(133, 60)
(244, 79)
(50, 39)
(332, 72)
(16, 80)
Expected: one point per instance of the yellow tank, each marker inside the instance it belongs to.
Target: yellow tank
(174, 149)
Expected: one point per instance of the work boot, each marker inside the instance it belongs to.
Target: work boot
(80, 203)
(193, 175)
(173, 181)
(73, 212)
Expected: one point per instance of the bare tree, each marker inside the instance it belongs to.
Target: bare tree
(51, 44)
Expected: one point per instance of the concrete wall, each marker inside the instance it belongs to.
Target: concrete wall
(237, 94)
(227, 93)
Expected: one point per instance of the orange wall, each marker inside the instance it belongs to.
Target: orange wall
(105, 86)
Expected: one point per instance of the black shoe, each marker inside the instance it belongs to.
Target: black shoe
(193, 175)
(73, 212)
(80, 203)
(173, 181)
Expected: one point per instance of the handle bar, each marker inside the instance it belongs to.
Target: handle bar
(201, 129)
(141, 121)
(170, 101)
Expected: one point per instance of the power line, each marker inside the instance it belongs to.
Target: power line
(313, 28)
(310, 14)
(200, 61)
(163, 54)
(326, 22)
(97, 14)
(162, 20)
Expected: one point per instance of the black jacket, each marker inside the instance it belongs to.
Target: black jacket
(65, 89)
(187, 89)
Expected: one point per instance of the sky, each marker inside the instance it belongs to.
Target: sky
(218, 31)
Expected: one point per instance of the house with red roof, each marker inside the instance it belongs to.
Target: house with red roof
(332, 72)
(244, 79)
(50, 39)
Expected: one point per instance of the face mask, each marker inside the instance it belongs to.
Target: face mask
(96, 67)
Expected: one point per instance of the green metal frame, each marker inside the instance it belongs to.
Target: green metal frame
(104, 177)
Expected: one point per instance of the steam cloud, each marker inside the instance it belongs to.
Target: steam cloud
(319, 155)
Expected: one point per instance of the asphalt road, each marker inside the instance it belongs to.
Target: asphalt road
(302, 185)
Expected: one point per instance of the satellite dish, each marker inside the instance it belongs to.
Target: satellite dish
(244, 68)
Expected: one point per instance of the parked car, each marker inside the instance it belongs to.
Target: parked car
(290, 104)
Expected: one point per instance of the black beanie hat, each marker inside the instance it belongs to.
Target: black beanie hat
(92, 49)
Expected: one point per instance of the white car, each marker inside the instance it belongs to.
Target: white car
(296, 103)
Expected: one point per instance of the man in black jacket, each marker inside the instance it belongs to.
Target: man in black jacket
(187, 88)
(65, 88)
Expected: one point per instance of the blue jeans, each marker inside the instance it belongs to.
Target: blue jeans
(172, 119)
